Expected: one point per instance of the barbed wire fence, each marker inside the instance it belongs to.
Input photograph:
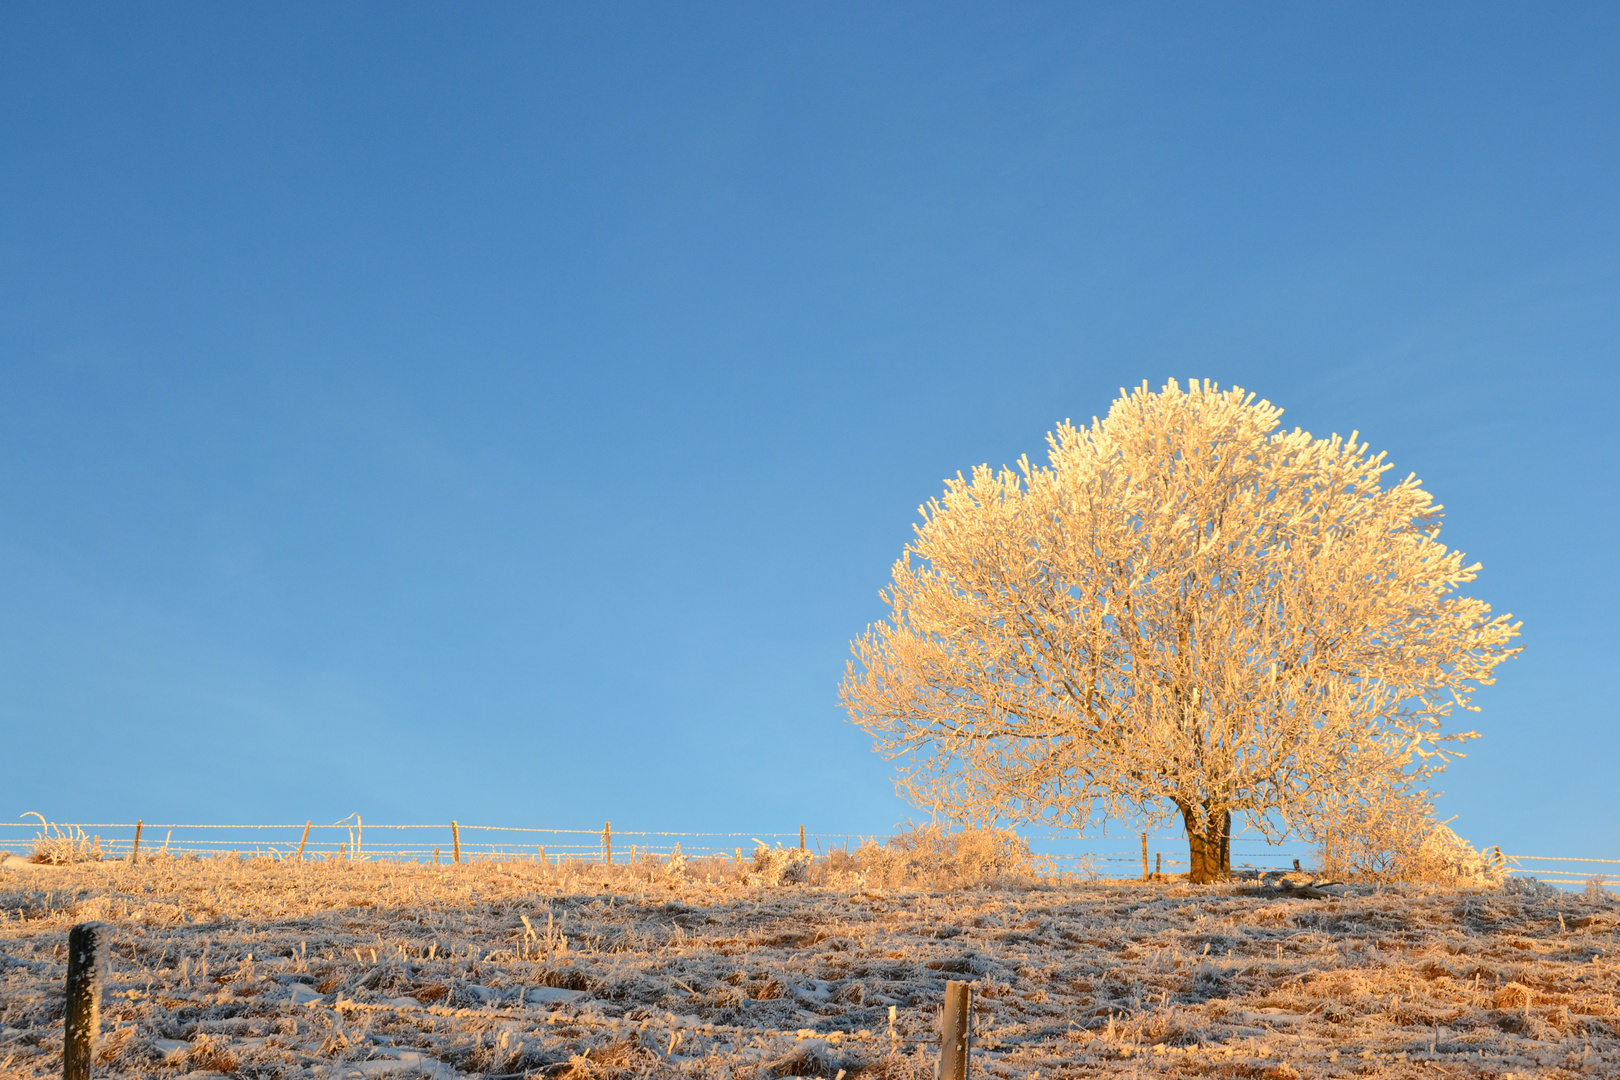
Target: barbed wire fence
(352, 838)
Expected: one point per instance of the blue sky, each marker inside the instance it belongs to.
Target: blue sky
(511, 412)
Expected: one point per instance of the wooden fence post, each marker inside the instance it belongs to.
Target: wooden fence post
(135, 851)
(1144, 857)
(953, 1035)
(305, 839)
(87, 964)
(607, 842)
(801, 837)
(1158, 864)
(455, 837)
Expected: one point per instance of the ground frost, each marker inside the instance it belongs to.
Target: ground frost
(262, 968)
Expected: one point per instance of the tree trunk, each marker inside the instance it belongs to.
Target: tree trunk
(1210, 850)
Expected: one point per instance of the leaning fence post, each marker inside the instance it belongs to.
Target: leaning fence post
(305, 839)
(455, 838)
(87, 962)
(135, 850)
(953, 1036)
(607, 842)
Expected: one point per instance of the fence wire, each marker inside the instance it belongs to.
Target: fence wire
(355, 839)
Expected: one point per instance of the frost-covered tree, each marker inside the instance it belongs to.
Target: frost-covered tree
(1188, 611)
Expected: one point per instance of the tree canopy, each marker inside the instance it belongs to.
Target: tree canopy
(1186, 611)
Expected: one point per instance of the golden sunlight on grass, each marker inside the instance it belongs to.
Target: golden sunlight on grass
(282, 968)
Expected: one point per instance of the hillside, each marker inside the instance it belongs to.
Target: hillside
(275, 968)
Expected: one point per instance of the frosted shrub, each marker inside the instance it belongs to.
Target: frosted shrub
(1530, 888)
(967, 855)
(1394, 837)
(931, 856)
(779, 866)
(1594, 887)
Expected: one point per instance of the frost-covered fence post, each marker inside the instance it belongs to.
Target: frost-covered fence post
(607, 842)
(953, 1034)
(304, 839)
(1144, 857)
(801, 837)
(135, 849)
(87, 962)
(455, 839)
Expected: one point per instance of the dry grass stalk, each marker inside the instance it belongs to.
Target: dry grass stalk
(56, 846)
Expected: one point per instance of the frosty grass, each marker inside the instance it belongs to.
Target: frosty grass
(266, 968)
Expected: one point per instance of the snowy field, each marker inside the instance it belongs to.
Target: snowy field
(265, 968)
